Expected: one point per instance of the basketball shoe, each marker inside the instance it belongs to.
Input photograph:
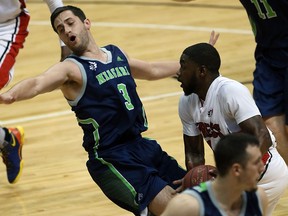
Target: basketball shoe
(12, 154)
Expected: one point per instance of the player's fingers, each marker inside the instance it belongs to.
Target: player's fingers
(213, 38)
(179, 189)
(178, 182)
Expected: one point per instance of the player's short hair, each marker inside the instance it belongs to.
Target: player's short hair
(231, 149)
(204, 54)
(75, 10)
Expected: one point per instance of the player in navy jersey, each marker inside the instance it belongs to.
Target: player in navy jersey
(234, 191)
(110, 100)
(98, 83)
(269, 21)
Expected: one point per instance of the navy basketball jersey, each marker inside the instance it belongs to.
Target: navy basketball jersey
(209, 205)
(108, 109)
(269, 21)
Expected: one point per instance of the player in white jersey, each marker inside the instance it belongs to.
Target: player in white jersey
(14, 20)
(214, 106)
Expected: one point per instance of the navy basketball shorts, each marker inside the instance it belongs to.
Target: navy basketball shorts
(271, 89)
(133, 173)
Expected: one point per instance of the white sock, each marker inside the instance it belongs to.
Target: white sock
(144, 212)
(2, 137)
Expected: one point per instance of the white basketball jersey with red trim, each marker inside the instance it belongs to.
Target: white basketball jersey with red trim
(227, 104)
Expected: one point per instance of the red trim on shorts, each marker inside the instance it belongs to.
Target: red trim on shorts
(12, 49)
(266, 158)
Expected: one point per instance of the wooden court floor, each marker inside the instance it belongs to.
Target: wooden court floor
(55, 180)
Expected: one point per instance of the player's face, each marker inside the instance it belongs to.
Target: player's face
(253, 169)
(188, 75)
(72, 31)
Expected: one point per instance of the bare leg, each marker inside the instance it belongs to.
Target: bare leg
(160, 202)
(277, 125)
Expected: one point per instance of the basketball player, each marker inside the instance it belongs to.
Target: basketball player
(14, 20)
(214, 106)
(98, 83)
(234, 191)
(269, 21)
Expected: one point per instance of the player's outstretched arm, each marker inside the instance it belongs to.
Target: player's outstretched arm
(21, 91)
(153, 70)
(50, 80)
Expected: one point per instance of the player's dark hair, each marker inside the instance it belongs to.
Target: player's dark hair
(232, 149)
(75, 10)
(204, 54)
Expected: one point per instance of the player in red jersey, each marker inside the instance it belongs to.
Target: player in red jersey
(14, 21)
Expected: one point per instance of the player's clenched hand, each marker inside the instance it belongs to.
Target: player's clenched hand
(6, 98)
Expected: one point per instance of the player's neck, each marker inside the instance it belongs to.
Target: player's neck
(97, 53)
(230, 200)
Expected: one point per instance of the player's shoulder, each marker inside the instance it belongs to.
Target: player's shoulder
(182, 204)
(227, 86)
(112, 48)
(227, 82)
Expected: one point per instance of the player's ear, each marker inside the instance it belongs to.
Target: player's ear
(203, 70)
(236, 169)
(87, 23)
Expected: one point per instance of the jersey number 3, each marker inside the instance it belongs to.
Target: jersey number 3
(123, 90)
